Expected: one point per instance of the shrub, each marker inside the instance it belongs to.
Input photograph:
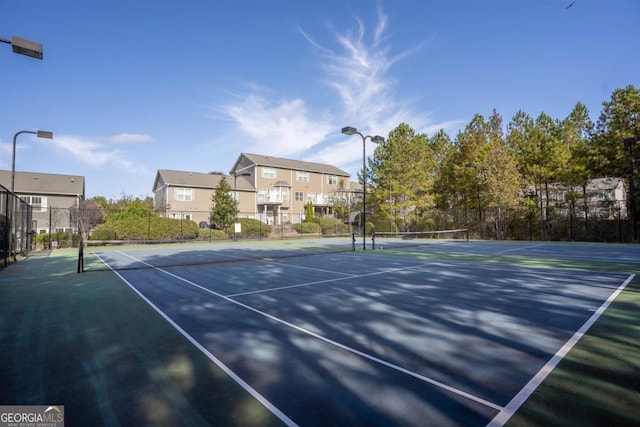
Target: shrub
(251, 228)
(386, 227)
(61, 239)
(103, 233)
(331, 226)
(151, 227)
(369, 228)
(211, 234)
(307, 228)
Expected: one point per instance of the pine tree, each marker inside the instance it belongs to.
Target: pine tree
(223, 209)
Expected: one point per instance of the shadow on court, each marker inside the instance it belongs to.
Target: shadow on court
(90, 343)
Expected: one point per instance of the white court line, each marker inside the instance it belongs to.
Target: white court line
(330, 341)
(337, 279)
(520, 249)
(253, 392)
(507, 412)
(302, 267)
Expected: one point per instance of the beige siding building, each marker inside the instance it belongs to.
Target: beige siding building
(284, 187)
(51, 197)
(187, 195)
(271, 189)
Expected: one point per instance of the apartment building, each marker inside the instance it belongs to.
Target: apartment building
(187, 195)
(602, 198)
(51, 197)
(284, 187)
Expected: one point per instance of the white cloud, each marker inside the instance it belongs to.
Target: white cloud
(94, 153)
(278, 128)
(357, 68)
(125, 138)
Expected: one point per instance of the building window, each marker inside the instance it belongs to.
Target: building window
(184, 194)
(269, 173)
(299, 196)
(332, 179)
(302, 176)
(36, 202)
(311, 197)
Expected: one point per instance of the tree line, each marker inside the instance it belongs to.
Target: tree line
(490, 177)
(499, 173)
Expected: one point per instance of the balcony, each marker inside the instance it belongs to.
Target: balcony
(274, 199)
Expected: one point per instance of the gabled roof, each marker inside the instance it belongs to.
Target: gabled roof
(607, 183)
(297, 165)
(44, 183)
(197, 180)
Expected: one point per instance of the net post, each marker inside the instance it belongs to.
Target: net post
(373, 241)
(353, 242)
(466, 233)
(81, 257)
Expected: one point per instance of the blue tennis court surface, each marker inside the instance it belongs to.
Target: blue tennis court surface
(377, 338)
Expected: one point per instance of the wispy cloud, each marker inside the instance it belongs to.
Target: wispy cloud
(96, 153)
(277, 128)
(359, 71)
(126, 138)
(356, 65)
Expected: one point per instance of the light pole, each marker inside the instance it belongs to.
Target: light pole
(235, 199)
(352, 131)
(41, 134)
(24, 47)
(628, 142)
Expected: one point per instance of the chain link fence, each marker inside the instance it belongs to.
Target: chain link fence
(15, 227)
(597, 221)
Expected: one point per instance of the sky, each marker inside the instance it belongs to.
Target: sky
(129, 87)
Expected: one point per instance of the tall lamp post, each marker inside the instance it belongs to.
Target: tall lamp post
(28, 48)
(628, 142)
(235, 198)
(40, 134)
(377, 138)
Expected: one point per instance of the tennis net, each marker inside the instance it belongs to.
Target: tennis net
(405, 239)
(102, 256)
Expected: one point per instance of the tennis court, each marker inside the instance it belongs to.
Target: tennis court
(445, 332)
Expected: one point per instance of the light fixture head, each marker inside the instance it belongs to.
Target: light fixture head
(44, 134)
(26, 47)
(348, 130)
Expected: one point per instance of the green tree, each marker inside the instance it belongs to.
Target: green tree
(577, 132)
(224, 208)
(402, 172)
(309, 212)
(620, 119)
(502, 185)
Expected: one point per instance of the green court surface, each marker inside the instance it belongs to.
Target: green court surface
(91, 343)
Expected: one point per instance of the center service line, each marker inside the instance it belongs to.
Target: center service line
(332, 342)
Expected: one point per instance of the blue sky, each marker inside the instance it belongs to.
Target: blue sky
(130, 87)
